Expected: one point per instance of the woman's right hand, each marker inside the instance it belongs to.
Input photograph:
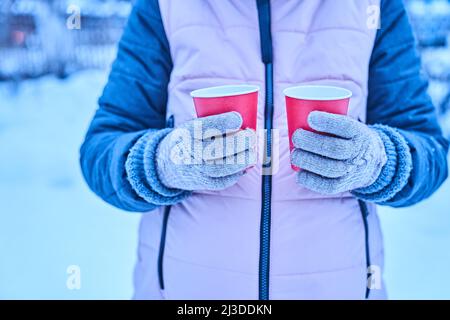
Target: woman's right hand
(209, 153)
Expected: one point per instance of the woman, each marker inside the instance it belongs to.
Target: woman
(212, 232)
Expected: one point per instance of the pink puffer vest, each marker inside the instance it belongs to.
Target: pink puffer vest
(208, 247)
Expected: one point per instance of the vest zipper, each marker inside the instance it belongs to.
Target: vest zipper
(162, 244)
(365, 214)
(266, 53)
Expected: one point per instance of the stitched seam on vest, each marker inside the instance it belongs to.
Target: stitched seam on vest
(330, 197)
(357, 266)
(178, 79)
(215, 27)
(362, 265)
(226, 195)
(168, 256)
(341, 79)
(211, 267)
(309, 32)
(200, 77)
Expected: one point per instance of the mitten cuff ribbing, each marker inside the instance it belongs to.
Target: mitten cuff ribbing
(142, 174)
(395, 173)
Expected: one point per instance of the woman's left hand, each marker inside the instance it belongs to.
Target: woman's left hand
(351, 158)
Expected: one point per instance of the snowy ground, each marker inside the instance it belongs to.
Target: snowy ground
(50, 220)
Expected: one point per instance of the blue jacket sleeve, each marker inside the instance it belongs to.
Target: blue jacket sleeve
(398, 99)
(132, 106)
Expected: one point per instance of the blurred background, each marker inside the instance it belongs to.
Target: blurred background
(54, 61)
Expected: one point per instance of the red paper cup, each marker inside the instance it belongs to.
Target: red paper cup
(301, 100)
(239, 98)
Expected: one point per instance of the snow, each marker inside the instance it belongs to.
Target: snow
(51, 220)
(417, 242)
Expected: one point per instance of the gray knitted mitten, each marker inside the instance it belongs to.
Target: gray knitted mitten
(352, 158)
(209, 153)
